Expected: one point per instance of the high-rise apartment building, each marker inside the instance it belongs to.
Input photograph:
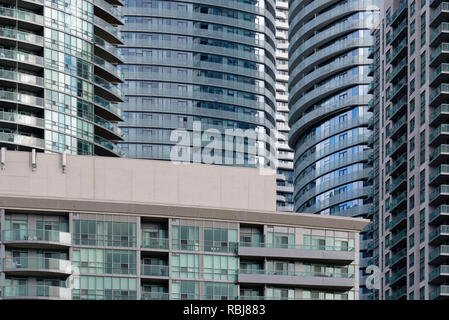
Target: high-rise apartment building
(119, 229)
(284, 152)
(206, 62)
(329, 68)
(412, 85)
(58, 76)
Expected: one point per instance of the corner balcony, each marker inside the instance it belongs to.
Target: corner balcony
(439, 195)
(37, 292)
(398, 200)
(439, 15)
(439, 175)
(439, 255)
(440, 34)
(398, 70)
(439, 275)
(440, 293)
(439, 135)
(107, 12)
(104, 147)
(439, 215)
(398, 51)
(439, 55)
(40, 239)
(399, 32)
(107, 110)
(439, 115)
(38, 266)
(439, 235)
(441, 74)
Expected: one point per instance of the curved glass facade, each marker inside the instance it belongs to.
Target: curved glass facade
(329, 94)
(58, 88)
(284, 181)
(208, 62)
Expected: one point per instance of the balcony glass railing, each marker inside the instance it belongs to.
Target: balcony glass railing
(154, 243)
(295, 246)
(442, 209)
(442, 129)
(154, 296)
(37, 263)
(443, 27)
(398, 256)
(443, 189)
(37, 291)
(37, 235)
(441, 290)
(441, 230)
(443, 249)
(443, 269)
(154, 270)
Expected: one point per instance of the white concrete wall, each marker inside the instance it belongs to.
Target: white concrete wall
(140, 181)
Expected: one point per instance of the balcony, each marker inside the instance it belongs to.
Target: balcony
(397, 239)
(21, 57)
(439, 155)
(154, 296)
(105, 147)
(31, 40)
(22, 119)
(400, 256)
(399, 182)
(108, 12)
(439, 255)
(397, 108)
(26, 266)
(440, 34)
(439, 15)
(159, 271)
(440, 293)
(37, 292)
(439, 215)
(439, 175)
(439, 135)
(398, 294)
(439, 195)
(439, 115)
(398, 70)
(37, 238)
(400, 49)
(439, 55)
(309, 252)
(397, 164)
(439, 274)
(400, 12)
(154, 243)
(398, 32)
(395, 222)
(439, 235)
(335, 280)
(107, 110)
(397, 276)
(398, 200)
(399, 145)
(441, 74)
(397, 90)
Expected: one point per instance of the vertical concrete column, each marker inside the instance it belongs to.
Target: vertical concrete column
(138, 256)
(169, 230)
